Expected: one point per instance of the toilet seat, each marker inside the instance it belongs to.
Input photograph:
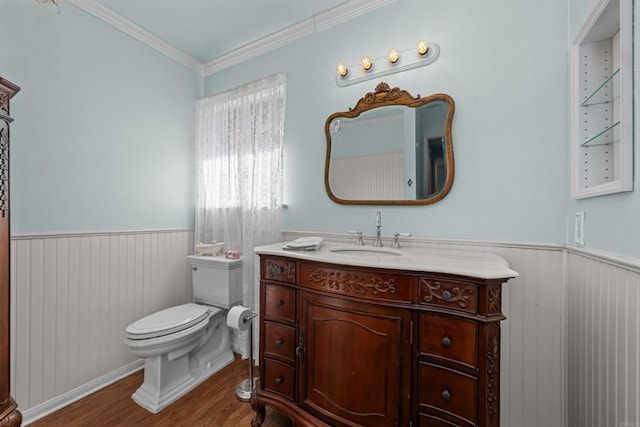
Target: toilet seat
(169, 321)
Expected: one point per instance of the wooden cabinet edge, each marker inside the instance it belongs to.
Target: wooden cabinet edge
(9, 415)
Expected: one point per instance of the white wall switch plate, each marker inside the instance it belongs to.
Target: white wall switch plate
(578, 231)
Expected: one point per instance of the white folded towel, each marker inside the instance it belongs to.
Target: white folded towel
(304, 244)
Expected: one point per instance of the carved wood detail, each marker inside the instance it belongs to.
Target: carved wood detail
(383, 94)
(493, 306)
(277, 270)
(349, 282)
(4, 168)
(435, 290)
(9, 415)
(14, 419)
(493, 369)
(4, 102)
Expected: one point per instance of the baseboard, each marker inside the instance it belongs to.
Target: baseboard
(40, 411)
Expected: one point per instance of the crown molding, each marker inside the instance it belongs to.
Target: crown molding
(315, 24)
(345, 12)
(319, 22)
(117, 21)
(260, 46)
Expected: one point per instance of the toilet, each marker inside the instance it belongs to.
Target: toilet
(183, 345)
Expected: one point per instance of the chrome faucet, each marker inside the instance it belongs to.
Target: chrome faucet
(378, 242)
(360, 241)
(396, 239)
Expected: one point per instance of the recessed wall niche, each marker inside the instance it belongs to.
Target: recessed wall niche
(601, 99)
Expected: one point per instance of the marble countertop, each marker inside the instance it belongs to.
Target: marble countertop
(476, 264)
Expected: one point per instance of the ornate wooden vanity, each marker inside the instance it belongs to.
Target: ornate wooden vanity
(345, 344)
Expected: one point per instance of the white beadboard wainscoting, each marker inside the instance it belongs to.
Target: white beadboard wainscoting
(373, 176)
(603, 305)
(72, 297)
(570, 344)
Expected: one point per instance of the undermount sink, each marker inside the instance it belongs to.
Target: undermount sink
(365, 251)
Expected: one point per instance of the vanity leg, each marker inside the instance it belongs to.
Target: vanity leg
(9, 414)
(259, 418)
(260, 411)
(13, 419)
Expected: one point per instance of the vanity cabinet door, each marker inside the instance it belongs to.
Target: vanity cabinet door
(354, 364)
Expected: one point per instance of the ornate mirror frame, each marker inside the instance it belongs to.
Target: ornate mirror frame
(384, 96)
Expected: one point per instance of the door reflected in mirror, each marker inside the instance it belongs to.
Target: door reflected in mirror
(391, 148)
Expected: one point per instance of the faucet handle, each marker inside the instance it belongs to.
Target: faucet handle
(396, 239)
(360, 241)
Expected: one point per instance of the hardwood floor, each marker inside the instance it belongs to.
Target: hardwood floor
(213, 403)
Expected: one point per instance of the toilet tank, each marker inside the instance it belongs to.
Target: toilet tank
(216, 280)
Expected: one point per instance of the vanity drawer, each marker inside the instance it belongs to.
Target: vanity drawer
(447, 391)
(364, 284)
(449, 338)
(280, 270)
(279, 303)
(459, 296)
(279, 341)
(278, 378)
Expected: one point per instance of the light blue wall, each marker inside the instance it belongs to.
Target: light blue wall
(612, 222)
(103, 131)
(504, 62)
(104, 125)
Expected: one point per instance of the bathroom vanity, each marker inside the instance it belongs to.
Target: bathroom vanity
(363, 336)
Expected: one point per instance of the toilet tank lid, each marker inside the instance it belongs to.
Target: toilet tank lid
(219, 262)
(169, 320)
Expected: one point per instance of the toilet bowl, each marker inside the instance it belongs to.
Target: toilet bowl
(184, 345)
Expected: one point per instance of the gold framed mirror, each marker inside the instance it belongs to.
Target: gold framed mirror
(390, 149)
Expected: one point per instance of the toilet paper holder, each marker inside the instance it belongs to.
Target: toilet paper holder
(245, 389)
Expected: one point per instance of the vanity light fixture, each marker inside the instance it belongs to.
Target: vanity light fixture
(393, 56)
(342, 70)
(366, 63)
(395, 61)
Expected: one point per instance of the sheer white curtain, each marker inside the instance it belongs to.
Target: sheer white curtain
(239, 136)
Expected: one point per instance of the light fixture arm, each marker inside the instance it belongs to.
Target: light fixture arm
(56, 3)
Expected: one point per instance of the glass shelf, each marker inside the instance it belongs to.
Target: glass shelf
(601, 95)
(603, 138)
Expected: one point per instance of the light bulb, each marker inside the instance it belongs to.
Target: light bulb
(393, 55)
(422, 47)
(342, 70)
(366, 63)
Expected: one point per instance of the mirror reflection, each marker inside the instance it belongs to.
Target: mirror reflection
(391, 148)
